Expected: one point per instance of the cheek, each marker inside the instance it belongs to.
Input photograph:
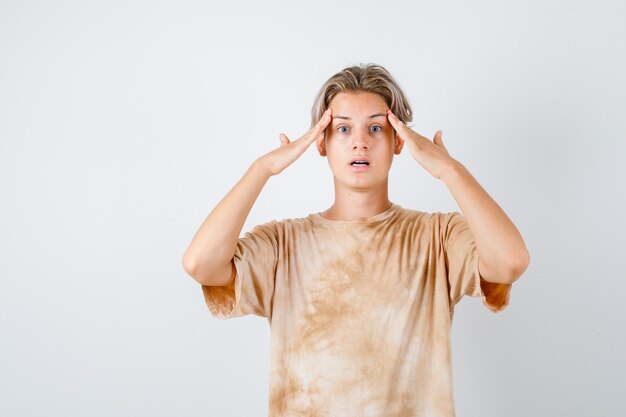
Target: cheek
(333, 144)
(335, 155)
(331, 134)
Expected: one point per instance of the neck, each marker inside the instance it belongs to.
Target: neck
(356, 204)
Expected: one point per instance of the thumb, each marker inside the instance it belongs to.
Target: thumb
(284, 140)
(437, 139)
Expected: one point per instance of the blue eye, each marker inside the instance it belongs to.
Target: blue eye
(374, 129)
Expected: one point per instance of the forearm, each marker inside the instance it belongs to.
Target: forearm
(500, 246)
(215, 242)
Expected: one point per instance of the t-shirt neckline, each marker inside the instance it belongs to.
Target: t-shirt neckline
(375, 218)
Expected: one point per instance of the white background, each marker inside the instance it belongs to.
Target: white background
(122, 124)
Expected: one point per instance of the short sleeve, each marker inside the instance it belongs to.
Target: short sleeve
(252, 291)
(462, 266)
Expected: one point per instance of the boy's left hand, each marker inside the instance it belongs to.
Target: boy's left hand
(432, 155)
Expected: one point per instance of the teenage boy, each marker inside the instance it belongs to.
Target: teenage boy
(360, 297)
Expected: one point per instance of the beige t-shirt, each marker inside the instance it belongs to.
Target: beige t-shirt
(360, 311)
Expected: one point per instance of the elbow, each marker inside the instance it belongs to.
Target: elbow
(507, 272)
(205, 274)
(522, 260)
(519, 263)
(190, 265)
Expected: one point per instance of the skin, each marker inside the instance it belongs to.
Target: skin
(503, 256)
(359, 194)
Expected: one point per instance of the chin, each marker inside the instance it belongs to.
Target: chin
(360, 183)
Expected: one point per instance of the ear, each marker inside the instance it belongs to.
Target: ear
(399, 142)
(320, 144)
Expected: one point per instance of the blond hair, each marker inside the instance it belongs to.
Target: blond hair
(363, 77)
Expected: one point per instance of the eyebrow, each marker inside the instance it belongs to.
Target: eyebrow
(348, 118)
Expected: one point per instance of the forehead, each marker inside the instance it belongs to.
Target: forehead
(357, 103)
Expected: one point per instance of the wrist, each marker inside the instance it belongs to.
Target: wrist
(260, 167)
(453, 170)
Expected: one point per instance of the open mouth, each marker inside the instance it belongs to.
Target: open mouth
(359, 162)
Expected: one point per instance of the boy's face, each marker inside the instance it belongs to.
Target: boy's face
(359, 130)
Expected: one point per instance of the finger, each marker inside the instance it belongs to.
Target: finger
(284, 140)
(437, 139)
(319, 127)
(397, 124)
(403, 130)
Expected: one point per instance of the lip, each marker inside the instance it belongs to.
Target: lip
(360, 167)
(360, 158)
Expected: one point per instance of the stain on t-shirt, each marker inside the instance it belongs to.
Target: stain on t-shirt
(360, 311)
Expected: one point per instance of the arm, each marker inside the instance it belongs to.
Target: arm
(209, 257)
(503, 256)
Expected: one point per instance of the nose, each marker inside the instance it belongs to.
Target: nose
(360, 140)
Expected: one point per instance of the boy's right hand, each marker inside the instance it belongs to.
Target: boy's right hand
(279, 159)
